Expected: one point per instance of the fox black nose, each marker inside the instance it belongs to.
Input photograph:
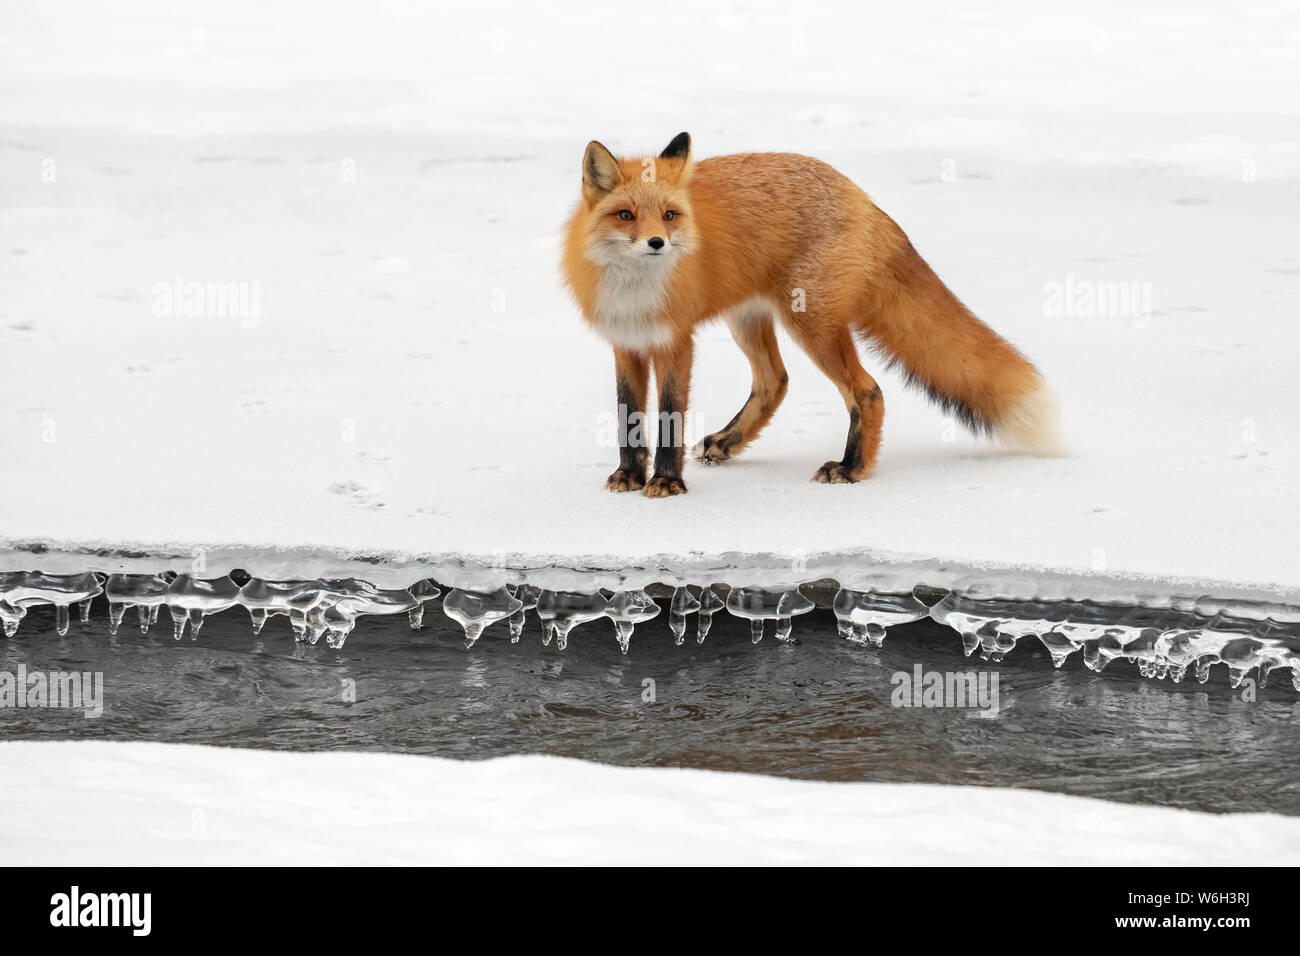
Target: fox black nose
(654, 242)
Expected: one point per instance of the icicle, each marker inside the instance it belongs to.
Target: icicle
(476, 610)
(863, 616)
(1098, 654)
(140, 591)
(306, 630)
(10, 616)
(316, 626)
(84, 608)
(969, 641)
(296, 599)
(627, 609)
(308, 625)
(759, 605)
(683, 603)
(179, 617)
(188, 599)
(994, 645)
(336, 637)
(1241, 656)
(21, 590)
(353, 599)
(710, 604)
(1176, 649)
(995, 642)
(561, 611)
(1203, 665)
(339, 622)
(424, 592)
(527, 598)
(133, 591)
(1059, 646)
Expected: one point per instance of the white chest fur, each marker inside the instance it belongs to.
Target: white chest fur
(629, 305)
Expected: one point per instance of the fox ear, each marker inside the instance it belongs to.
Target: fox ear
(679, 148)
(600, 171)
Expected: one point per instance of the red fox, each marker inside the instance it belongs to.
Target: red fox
(658, 245)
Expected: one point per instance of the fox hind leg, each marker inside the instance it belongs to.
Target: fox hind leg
(837, 356)
(755, 333)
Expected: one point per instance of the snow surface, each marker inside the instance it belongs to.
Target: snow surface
(96, 803)
(395, 178)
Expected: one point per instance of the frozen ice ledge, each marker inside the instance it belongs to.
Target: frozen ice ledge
(1168, 628)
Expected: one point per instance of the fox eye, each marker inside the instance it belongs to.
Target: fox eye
(670, 215)
(626, 215)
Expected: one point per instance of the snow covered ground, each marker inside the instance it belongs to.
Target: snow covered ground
(387, 182)
(106, 804)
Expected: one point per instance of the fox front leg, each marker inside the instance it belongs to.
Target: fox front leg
(673, 373)
(632, 382)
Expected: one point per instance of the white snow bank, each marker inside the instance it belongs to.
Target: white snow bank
(142, 803)
(392, 181)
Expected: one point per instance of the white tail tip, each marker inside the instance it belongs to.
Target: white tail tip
(1033, 425)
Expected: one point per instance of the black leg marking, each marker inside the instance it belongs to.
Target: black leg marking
(853, 446)
(719, 445)
(670, 452)
(845, 471)
(632, 451)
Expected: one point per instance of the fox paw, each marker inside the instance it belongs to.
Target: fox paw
(715, 448)
(625, 479)
(661, 487)
(834, 473)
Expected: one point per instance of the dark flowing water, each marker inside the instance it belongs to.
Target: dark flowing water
(818, 709)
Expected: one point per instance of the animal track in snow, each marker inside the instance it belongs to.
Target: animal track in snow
(358, 495)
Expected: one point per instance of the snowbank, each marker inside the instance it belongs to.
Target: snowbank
(139, 803)
(406, 382)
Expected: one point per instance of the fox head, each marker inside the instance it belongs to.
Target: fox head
(639, 213)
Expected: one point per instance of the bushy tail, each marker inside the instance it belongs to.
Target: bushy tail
(916, 322)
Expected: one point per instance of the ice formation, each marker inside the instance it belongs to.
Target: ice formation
(863, 617)
(1165, 637)
(683, 603)
(627, 609)
(476, 610)
(19, 591)
(710, 604)
(526, 595)
(561, 611)
(758, 605)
